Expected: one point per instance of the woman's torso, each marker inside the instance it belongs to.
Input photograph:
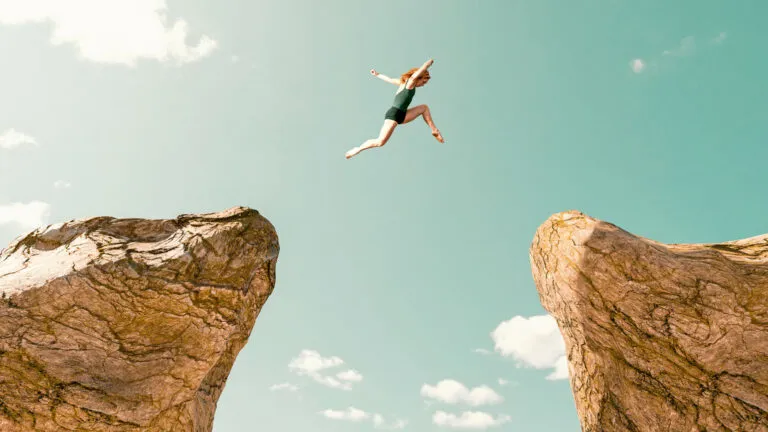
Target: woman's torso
(403, 97)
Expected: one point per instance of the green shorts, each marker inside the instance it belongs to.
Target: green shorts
(395, 114)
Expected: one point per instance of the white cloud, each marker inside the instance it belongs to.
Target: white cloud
(331, 382)
(468, 420)
(561, 370)
(31, 215)
(350, 375)
(357, 415)
(482, 351)
(284, 386)
(111, 31)
(533, 342)
(350, 414)
(505, 382)
(235, 59)
(453, 392)
(637, 65)
(11, 138)
(62, 184)
(310, 363)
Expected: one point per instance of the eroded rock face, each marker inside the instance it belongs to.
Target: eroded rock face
(659, 337)
(129, 324)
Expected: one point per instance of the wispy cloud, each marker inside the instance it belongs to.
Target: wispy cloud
(505, 382)
(533, 342)
(350, 414)
(378, 421)
(11, 139)
(453, 392)
(284, 387)
(687, 46)
(118, 32)
(310, 363)
(29, 215)
(357, 415)
(482, 351)
(477, 420)
(350, 375)
(62, 184)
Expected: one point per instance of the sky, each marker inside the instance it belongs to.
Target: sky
(404, 297)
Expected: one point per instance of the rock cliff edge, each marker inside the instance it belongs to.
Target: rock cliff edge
(659, 337)
(129, 324)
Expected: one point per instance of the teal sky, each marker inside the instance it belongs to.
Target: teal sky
(404, 259)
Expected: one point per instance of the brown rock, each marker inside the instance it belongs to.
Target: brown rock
(129, 324)
(659, 337)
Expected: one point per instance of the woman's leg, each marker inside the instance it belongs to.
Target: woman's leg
(384, 134)
(423, 110)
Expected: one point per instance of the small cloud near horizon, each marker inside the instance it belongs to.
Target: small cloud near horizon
(468, 420)
(453, 392)
(356, 415)
(310, 363)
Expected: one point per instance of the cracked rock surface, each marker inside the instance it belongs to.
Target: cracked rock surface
(659, 337)
(129, 324)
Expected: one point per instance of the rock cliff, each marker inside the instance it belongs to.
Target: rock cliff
(129, 324)
(659, 337)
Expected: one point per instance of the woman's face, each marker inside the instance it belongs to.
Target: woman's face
(422, 81)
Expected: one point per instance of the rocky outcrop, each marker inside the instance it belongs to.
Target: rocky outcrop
(129, 324)
(659, 337)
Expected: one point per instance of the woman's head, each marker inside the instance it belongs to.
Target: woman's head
(420, 81)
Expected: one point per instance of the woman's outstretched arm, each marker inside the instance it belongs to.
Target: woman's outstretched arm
(384, 77)
(421, 70)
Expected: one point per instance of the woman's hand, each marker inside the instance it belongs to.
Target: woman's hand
(374, 73)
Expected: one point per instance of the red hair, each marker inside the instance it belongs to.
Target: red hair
(404, 77)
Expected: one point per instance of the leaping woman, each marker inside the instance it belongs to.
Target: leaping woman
(399, 113)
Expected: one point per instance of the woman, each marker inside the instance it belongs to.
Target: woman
(399, 113)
